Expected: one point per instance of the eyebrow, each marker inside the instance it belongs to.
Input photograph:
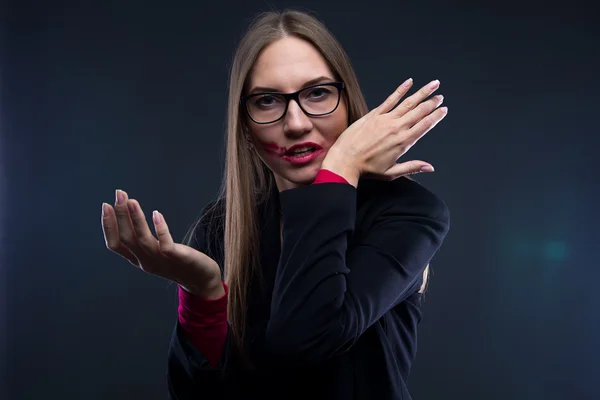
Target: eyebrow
(307, 83)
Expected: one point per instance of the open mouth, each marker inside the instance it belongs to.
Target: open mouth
(303, 153)
(302, 149)
(300, 152)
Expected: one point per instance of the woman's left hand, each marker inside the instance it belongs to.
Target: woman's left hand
(372, 145)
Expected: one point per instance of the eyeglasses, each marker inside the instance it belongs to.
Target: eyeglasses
(315, 101)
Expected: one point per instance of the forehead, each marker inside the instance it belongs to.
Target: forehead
(287, 64)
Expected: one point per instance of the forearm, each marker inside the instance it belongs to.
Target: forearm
(326, 295)
(310, 282)
(189, 374)
(204, 321)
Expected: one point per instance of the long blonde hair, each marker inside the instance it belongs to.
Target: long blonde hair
(247, 181)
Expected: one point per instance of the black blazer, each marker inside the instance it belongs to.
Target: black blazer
(336, 314)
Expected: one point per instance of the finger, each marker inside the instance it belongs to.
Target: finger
(126, 231)
(416, 99)
(422, 110)
(428, 123)
(394, 98)
(165, 240)
(111, 235)
(144, 236)
(408, 168)
(425, 280)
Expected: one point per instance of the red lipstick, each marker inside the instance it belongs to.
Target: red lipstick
(303, 159)
(295, 153)
(302, 153)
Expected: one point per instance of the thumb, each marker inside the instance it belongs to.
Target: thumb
(408, 168)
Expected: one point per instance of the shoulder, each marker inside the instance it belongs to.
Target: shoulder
(402, 196)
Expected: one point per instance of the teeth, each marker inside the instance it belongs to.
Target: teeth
(302, 150)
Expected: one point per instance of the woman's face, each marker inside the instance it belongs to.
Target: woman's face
(288, 65)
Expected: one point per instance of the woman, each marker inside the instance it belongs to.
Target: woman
(322, 241)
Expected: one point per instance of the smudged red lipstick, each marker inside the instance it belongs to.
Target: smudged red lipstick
(300, 153)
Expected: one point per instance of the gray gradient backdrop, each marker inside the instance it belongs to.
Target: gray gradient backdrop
(104, 95)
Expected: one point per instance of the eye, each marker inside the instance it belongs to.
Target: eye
(318, 93)
(266, 101)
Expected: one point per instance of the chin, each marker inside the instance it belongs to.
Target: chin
(302, 176)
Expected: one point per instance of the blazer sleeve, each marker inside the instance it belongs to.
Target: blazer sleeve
(324, 298)
(189, 373)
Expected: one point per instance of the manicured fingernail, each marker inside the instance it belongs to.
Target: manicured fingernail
(131, 207)
(407, 83)
(434, 84)
(156, 216)
(104, 209)
(120, 196)
(444, 109)
(427, 168)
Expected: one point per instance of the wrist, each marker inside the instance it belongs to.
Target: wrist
(335, 163)
(211, 290)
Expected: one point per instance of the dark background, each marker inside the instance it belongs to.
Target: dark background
(132, 95)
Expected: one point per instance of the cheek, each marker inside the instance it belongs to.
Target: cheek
(267, 142)
(333, 128)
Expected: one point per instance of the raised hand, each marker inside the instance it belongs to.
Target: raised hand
(372, 144)
(127, 234)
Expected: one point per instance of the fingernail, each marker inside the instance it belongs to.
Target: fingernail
(407, 83)
(427, 168)
(104, 209)
(120, 195)
(434, 84)
(131, 207)
(156, 216)
(444, 109)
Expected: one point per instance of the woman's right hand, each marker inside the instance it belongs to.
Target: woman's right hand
(127, 234)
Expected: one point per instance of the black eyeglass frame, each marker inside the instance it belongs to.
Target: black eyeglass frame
(293, 96)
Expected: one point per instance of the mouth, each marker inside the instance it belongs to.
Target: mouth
(302, 149)
(302, 153)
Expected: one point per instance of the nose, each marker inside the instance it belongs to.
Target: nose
(296, 122)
